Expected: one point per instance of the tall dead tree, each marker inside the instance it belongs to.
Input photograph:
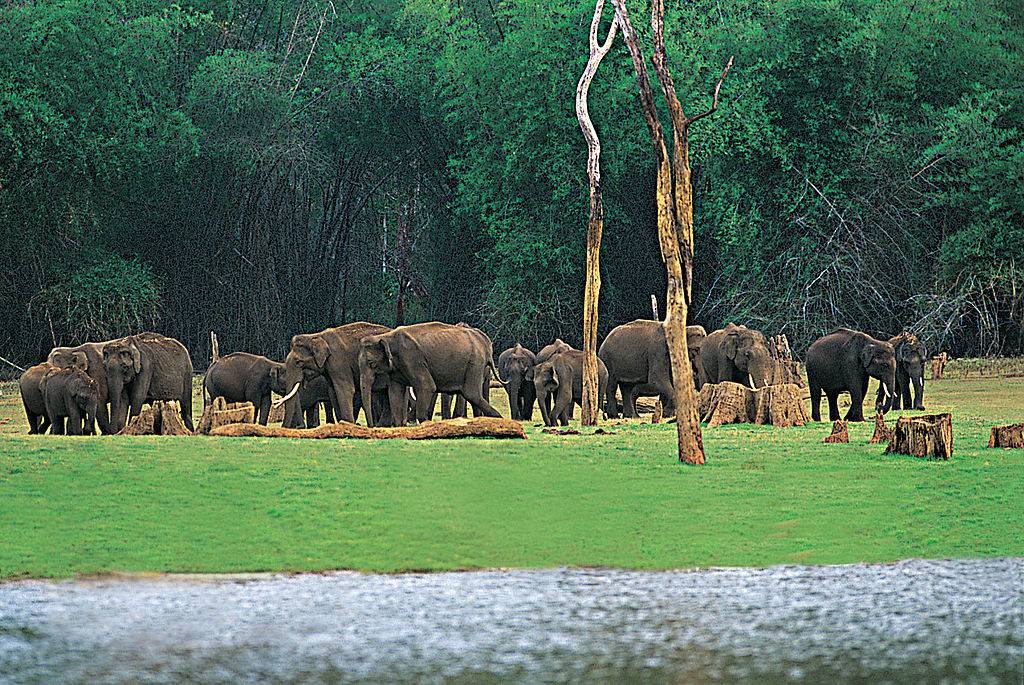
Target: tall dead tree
(592, 289)
(674, 200)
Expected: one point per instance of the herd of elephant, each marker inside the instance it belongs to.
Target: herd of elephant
(395, 375)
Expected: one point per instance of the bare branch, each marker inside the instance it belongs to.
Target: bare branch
(714, 101)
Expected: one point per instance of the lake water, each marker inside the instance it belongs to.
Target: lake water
(914, 621)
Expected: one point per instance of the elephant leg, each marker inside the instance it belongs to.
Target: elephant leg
(611, 405)
(74, 421)
(313, 415)
(856, 412)
(833, 405)
(628, 401)
(446, 406)
(263, 406)
(344, 399)
(329, 411)
(919, 393)
(57, 427)
(481, 407)
(33, 421)
(815, 401)
(563, 405)
(527, 397)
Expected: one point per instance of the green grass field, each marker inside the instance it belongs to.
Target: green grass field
(766, 496)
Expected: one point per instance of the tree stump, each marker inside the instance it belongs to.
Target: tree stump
(221, 413)
(882, 432)
(276, 414)
(928, 436)
(657, 413)
(840, 433)
(775, 405)
(161, 418)
(939, 366)
(1007, 436)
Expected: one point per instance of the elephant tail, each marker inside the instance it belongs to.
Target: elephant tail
(494, 372)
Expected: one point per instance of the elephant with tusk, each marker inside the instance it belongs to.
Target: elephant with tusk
(844, 361)
(910, 359)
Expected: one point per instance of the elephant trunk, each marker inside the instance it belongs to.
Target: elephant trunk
(293, 379)
(918, 392)
(542, 399)
(885, 398)
(366, 381)
(115, 392)
(514, 381)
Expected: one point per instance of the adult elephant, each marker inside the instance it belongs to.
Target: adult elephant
(738, 354)
(32, 397)
(428, 358)
(844, 361)
(561, 378)
(333, 353)
(514, 366)
(246, 377)
(460, 410)
(69, 394)
(910, 358)
(89, 358)
(144, 368)
(636, 354)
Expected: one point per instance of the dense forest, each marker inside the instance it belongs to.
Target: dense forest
(261, 168)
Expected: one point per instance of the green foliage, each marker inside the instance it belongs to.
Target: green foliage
(863, 168)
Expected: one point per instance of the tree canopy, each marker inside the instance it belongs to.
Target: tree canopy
(262, 168)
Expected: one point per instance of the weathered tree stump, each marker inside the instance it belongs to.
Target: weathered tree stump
(480, 427)
(882, 432)
(775, 405)
(939, 366)
(1007, 436)
(658, 412)
(276, 414)
(928, 436)
(784, 368)
(840, 433)
(221, 413)
(161, 418)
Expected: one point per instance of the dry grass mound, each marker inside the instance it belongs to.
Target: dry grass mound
(481, 427)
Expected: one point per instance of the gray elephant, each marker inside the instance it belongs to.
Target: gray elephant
(514, 367)
(69, 394)
(460, 409)
(910, 357)
(738, 354)
(334, 354)
(89, 357)
(561, 378)
(32, 397)
(245, 377)
(144, 368)
(428, 358)
(548, 351)
(636, 354)
(843, 361)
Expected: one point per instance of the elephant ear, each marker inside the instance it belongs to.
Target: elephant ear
(80, 361)
(866, 355)
(136, 358)
(320, 351)
(731, 345)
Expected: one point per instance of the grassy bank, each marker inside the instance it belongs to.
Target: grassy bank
(767, 496)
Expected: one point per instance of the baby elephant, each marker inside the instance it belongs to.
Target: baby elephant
(32, 397)
(561, 378)
(70, 394)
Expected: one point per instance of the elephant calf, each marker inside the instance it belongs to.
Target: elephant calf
(514, 367)
(70, 394)
(32, 397)
(561, 378)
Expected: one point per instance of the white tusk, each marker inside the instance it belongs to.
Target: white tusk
(278, 403)
(751, 381)
(412, 393)
(885, 389)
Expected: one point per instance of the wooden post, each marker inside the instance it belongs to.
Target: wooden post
(674, 202)
(592, 289)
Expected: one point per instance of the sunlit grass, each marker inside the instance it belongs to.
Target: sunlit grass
(767, 496)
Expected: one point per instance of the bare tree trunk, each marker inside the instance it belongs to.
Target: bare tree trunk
(592, 289)
(674, 201)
